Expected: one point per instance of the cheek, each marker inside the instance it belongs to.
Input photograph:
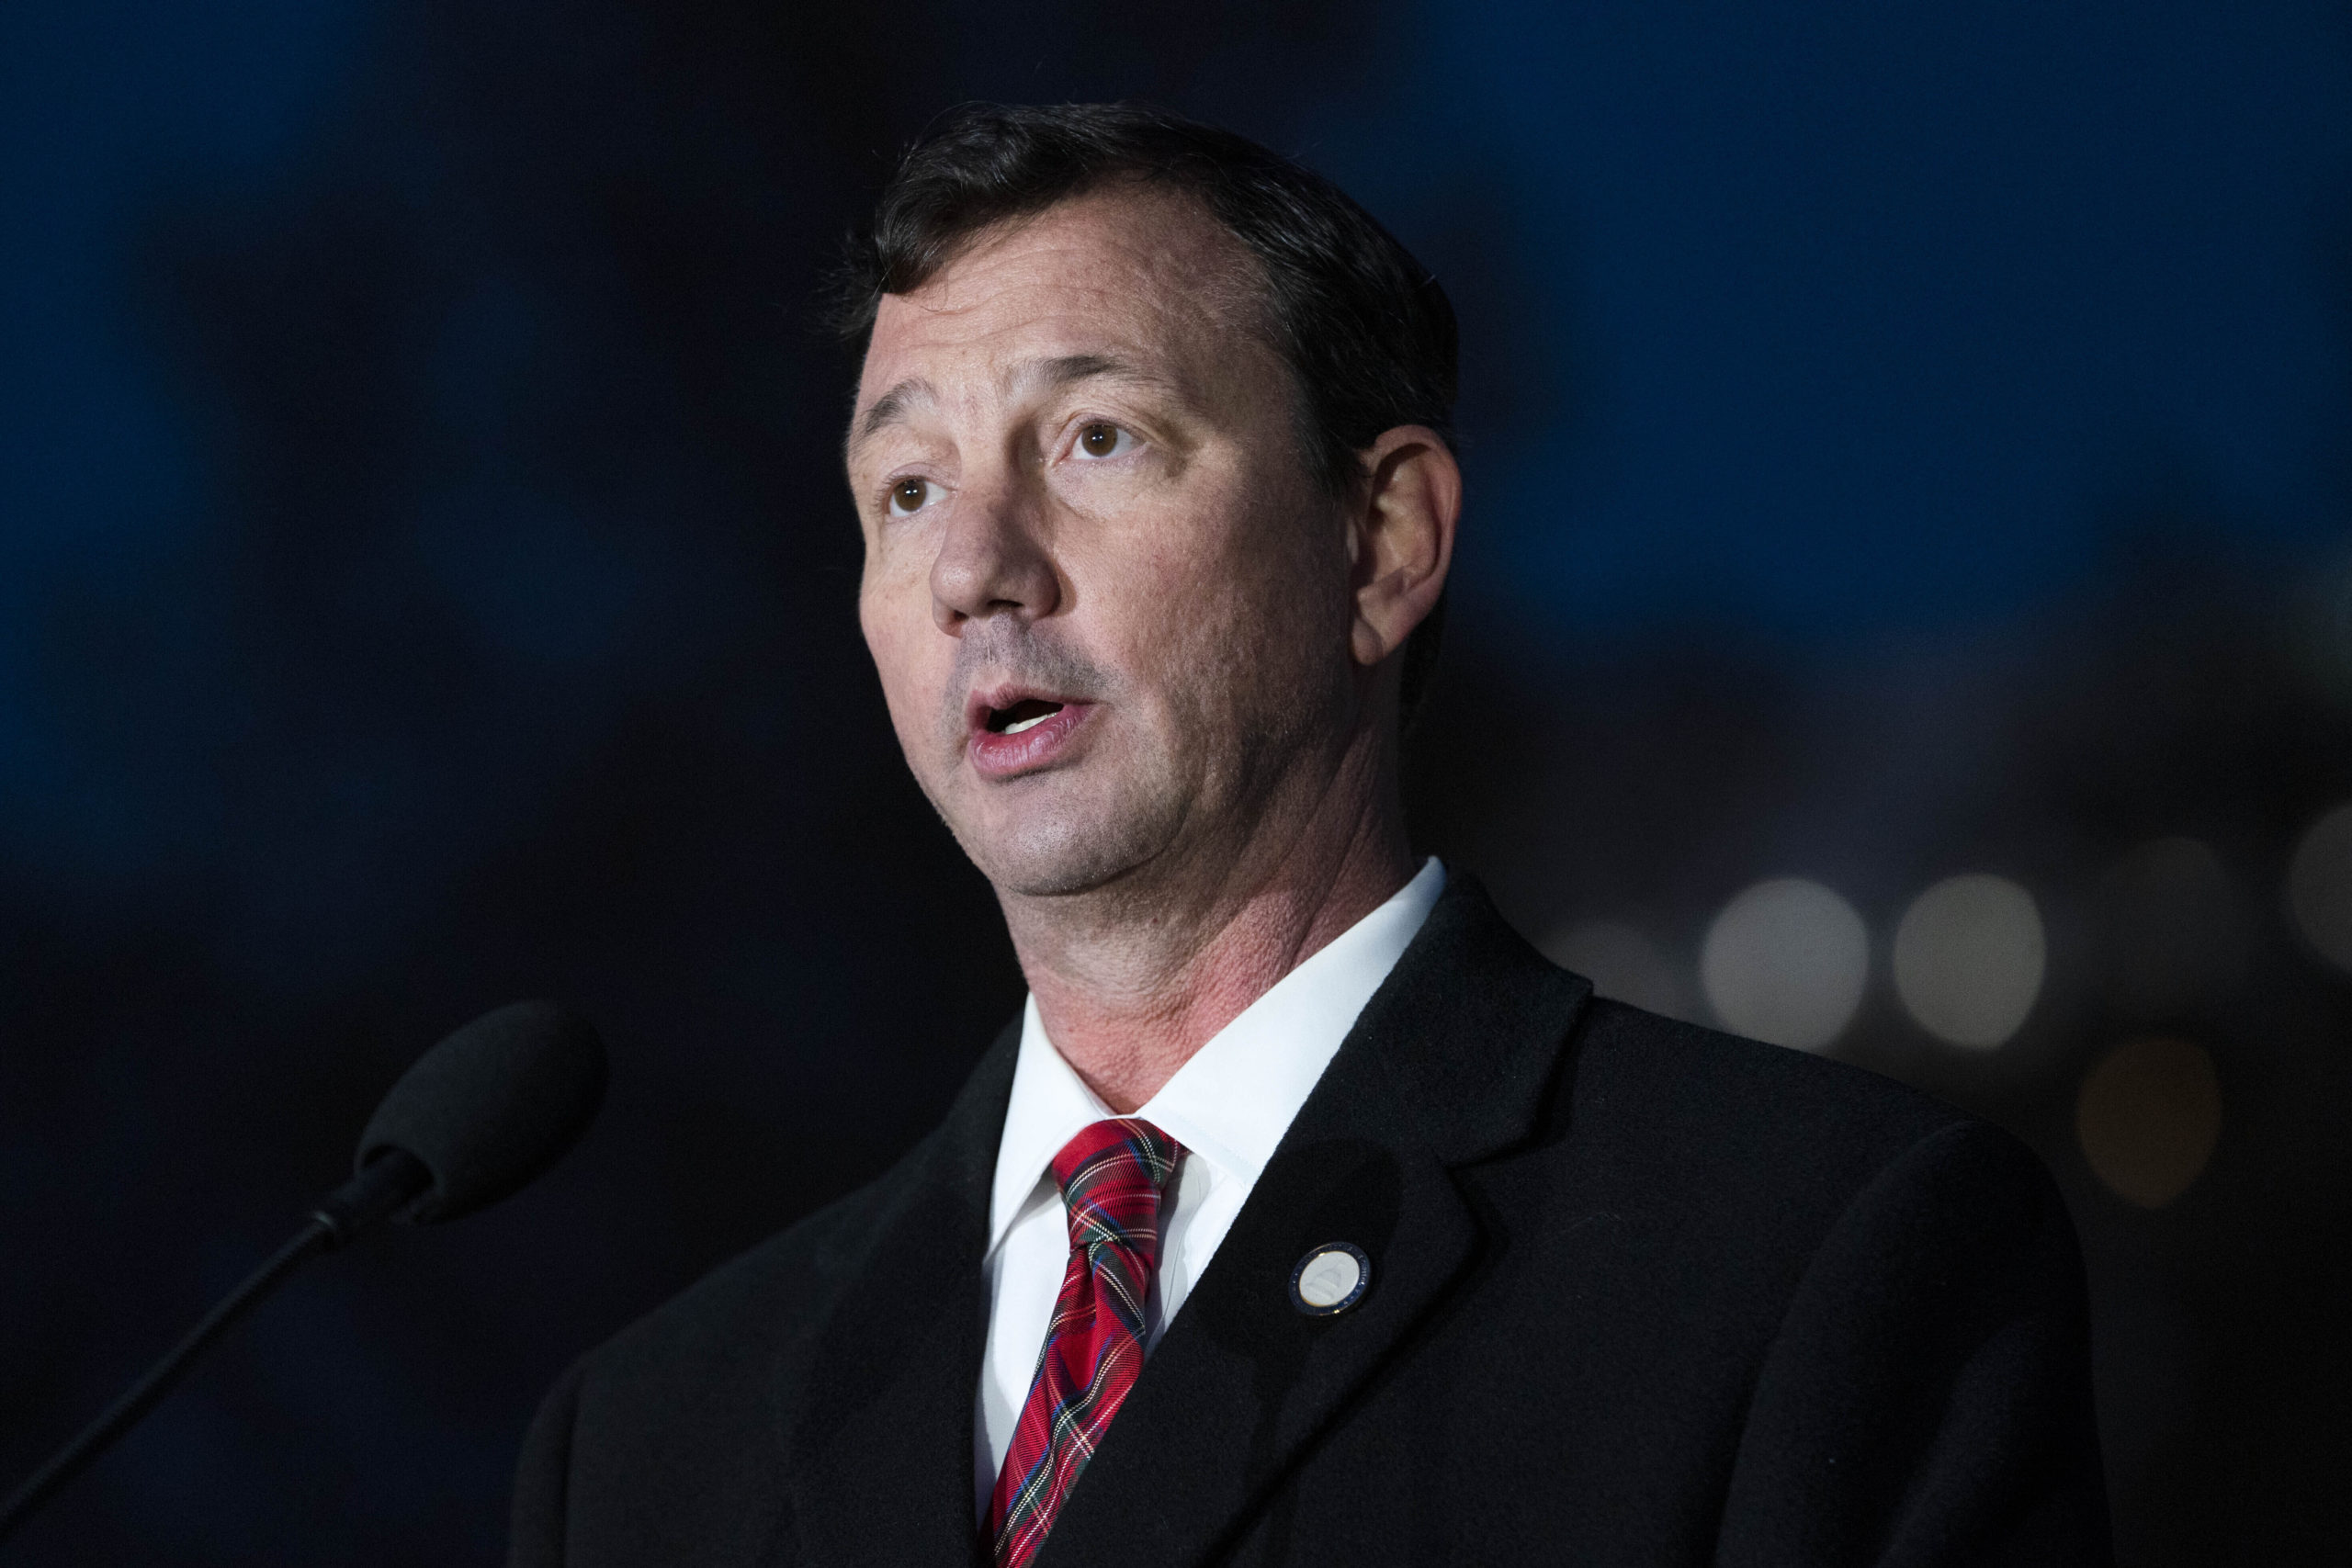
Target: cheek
(1203, 599)
(896, 628)
(1159, 591)
(1274, 581)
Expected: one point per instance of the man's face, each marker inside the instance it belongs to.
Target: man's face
(1109, 605)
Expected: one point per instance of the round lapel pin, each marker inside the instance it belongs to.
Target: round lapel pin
(1330, 1279)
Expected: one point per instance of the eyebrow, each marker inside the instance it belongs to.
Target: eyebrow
(1061, 370)
(891, 407)
(1069, 367)
(1065, 369)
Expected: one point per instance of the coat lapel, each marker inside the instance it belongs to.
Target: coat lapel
(1447, 1066)
(880, 1458)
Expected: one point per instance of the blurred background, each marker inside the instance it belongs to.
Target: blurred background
(1904, 611)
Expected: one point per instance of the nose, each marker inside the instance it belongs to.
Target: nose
(994, 559)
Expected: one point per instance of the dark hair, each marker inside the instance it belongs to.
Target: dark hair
(1368, 333)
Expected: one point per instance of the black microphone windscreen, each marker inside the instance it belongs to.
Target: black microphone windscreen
(491, 1106)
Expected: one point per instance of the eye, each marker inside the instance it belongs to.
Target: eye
(1102, 439)
(911, 495)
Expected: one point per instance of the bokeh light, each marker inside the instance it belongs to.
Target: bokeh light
(1786, 962)
(2319, 887)
(1623, 965)
(2148, 1117)
(1969, 958)
(2173, 932)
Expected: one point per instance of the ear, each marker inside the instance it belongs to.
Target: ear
(1400, 540)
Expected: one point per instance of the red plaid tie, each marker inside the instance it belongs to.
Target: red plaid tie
(1111, 1176)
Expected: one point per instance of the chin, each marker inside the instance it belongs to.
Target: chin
(1053, 849)
(1054, 864)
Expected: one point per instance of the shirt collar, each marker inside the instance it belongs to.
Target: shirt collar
(1231, 1103)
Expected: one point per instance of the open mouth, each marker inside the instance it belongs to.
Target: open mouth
(1026, 713)
(1015, 732)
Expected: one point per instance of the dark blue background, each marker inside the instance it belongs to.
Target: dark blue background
(1902, 440)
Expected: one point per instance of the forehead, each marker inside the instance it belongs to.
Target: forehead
(1140, 277)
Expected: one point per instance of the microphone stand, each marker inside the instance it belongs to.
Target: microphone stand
(386, 1184)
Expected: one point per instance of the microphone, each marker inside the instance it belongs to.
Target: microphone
(476, 1119)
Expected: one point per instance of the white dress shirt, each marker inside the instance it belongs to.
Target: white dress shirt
(1229, 1105)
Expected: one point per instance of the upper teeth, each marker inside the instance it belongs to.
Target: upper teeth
(1019, 725)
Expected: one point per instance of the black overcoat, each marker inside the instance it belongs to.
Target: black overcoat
(1641, 1293)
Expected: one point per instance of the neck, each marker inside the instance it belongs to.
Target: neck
(1132, 978)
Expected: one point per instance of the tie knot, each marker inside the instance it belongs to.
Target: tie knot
(1111, 1176)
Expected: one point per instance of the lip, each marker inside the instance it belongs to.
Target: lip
(1000, 756)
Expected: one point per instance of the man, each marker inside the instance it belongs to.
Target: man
(1307, 1215)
